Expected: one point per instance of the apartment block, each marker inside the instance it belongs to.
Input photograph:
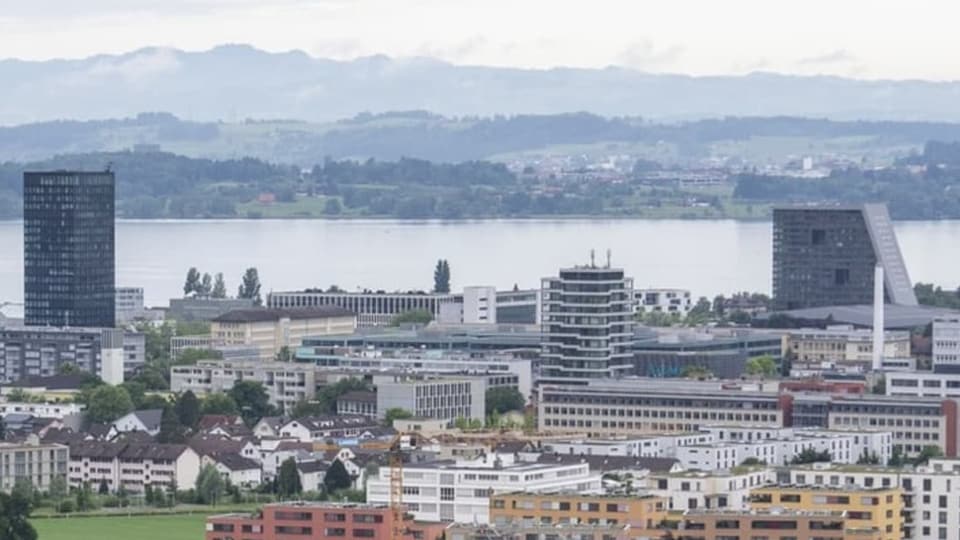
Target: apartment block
(460, 491)
(643, 513)
(286, 383)
(870, 509)
(37, 351)
(769, 525)
(679, 301)
(273, 330)
(132, 466)
(32, 461)
(723, 490)
(946, 345)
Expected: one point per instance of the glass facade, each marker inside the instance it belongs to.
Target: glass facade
(68, 245)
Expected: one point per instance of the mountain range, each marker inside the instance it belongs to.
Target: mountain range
(234, 82)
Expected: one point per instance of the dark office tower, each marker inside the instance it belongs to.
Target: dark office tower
(826, 256)
(587, 326)
(68, 248)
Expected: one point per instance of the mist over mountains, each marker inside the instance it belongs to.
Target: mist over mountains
(234, 82)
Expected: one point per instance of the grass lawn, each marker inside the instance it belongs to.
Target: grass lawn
(175, 527)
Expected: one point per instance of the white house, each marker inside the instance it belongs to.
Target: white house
(240, 471)
(132, 466)
(321, 428)
(147, 420)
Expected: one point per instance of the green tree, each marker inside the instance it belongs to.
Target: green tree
(415, 316)
(188, 409)
(15, 517)
(170, 429)
(337, 477)
(332, 207)
(700, 313)
(441, 277)
(288, 479)
(19, 395)
(752, 461)
(306, 408)
(206, 285)
(868, 458)
(926, 454)
(104, 488)
(762, 366)
(219, 403)
(501, 399)
(396, 413)
(250, 286)
(253, 401)
(192, 283)
(219, 287)
(107, 403)
(136, 390)
(84, 498)
(696, 372)
(209, 485)
(328, 395)
(284, 354)
(809, 455)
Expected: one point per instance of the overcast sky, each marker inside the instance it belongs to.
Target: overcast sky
(859, 38)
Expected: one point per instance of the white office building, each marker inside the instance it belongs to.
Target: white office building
(946, 345)
(722, 490)
(679, 301)
(460, 491)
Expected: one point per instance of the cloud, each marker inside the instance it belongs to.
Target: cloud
(643, 54)
(839, 56)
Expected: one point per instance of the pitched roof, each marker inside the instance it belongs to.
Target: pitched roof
(236, 462)
(273, 421)
(71, 381)
(168, 452)
(318, 423)
(209, 421)
(312, 466)
(275, 314)
(213, 445)
(141, 437)
(612, 463)
(363, 396)
(96, 449)
(99, 431)
(150, 418)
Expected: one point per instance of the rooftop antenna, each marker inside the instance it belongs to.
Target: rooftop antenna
(593, 263)
(609, 253)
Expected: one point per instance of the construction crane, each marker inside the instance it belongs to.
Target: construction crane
(395, 462)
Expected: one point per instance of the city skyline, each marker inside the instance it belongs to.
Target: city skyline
(688, 37)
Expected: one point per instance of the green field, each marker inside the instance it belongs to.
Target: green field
(176, 527)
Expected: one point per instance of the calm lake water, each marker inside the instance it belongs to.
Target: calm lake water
(707, 257)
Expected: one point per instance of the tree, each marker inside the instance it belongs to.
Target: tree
(206, 285)
(58, 488)
(15, 517)
(288, 479)
(752, 461)
(414, 316)
(700, 313)
(926, 454)
(868, 458)
(284, 354)
(396, 413)
(332, 207)
(306, 408)
(501, 399)
(209, 485)
(328, 395)
(104, 488)
(337, 477)
(192, 283)
(170, 429)
(696, 372)
(219, 287)
(84, 498)
(809, 455)
(253, 401)
(762, 366)
(250, 287)
(107, 403)
(441, 277)
(219, 403)
(188, 409)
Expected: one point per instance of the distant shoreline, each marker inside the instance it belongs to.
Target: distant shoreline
(544, 218)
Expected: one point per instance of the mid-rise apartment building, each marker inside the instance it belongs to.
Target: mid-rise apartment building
(460, 490)
(723, 490)
(869, 509)
(132, 466)
(770, 525)
(36, 351)
(643, 513)
(287, 383)
(587, 324)
(273, 330)
(32, 461)
(946, 345)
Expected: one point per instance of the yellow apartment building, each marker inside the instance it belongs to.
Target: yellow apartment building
(270, 330)
(641, 512)
(865, 509)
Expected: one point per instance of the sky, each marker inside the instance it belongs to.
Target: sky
(869, 39)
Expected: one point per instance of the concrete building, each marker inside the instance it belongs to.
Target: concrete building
(32, 461)
(472, 339)
(724, 353)
(915, 422)
(844, 345)
(271, 330)
(521, 306)
(460, 491)
(643, 513)
(286, 383)
(946, 345)
(825, 256)
(358, 402)
(922, 384)
(447, 398)
(40, 351)
(679, 301)
(132, 466)
(68, 249)
(868, 509)
(587, 325)
(373, 308)
(775, 524)
(716, 490)
(129, 304)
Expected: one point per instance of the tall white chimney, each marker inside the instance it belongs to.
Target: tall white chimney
(878, 318)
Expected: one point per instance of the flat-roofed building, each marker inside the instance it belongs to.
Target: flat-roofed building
(287, 383)
(869, 509)
(373, 308)
(844, 345)
(642, 512)
(275, 330)
(679, 301)
(946, 345)
(447, 398)
(712, 524)
(33, 462)
(915, 422)
(725, 490)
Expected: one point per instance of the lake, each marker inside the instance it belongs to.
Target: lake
(707, 257)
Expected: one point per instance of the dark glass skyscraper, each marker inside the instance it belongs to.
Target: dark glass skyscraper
(68, 248)
(826, 255)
